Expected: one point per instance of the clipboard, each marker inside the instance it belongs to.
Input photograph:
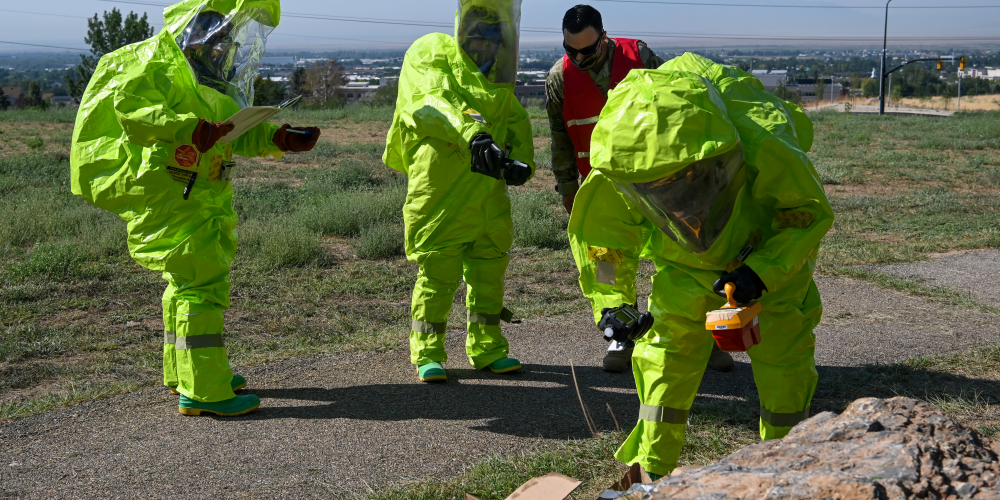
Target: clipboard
(248, 118)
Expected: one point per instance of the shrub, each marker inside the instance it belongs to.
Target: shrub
(538, 221)
(35, 215)
(35, 142)
(264, 200)
(379, 241)
(277, 244)
(57, 261)
(34, 169)
(348, 213)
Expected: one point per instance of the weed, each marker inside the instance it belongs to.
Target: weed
(278, 244)
(34, 142)
(379, 242)
(538, 220)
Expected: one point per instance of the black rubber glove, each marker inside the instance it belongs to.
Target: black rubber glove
(749, 286)
(515, 172)
(624, 323)
(487, 157)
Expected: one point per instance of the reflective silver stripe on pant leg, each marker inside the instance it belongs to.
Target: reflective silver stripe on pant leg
(505, 315)
(425, 327)
(169, 338)
(199, 341)
(484, 319)
(783, 419)
(662, 414)
(606, 273)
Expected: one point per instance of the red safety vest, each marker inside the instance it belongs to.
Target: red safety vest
(583, 101)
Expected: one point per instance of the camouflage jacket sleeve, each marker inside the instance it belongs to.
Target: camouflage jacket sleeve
(563, 154)
(649, 58)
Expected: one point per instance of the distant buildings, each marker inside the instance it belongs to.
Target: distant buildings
(773, 78)
(530, 90)
(803, 88)
(986, 73)
(16, 99)
(363, 90)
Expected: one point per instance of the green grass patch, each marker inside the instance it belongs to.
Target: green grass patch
(58, 115)
(321, 117)
(903, 187)
(539, 220)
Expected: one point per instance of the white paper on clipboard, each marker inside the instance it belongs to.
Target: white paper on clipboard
(248, 118)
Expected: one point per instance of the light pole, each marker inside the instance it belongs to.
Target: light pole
(881, 77)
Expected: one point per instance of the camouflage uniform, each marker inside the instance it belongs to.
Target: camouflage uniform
(563, 155)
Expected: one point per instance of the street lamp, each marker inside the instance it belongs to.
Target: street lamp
(881, 77)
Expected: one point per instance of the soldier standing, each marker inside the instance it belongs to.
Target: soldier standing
(576, 91)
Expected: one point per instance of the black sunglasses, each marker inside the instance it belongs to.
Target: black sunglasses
(586, 51)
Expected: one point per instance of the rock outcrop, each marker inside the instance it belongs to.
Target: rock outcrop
(896, 448)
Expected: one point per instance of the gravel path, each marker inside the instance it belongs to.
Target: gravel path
(976, 273)
(335, 426)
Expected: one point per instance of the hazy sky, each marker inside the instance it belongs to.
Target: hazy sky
(48, 28)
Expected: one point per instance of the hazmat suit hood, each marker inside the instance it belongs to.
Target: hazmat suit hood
(224, 41)
(489, 32)
(665, 138)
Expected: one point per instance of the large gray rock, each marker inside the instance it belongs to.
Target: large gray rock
(897, 448)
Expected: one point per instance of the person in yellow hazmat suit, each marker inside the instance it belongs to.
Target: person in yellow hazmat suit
(149, 145)
(461, 137)
(701, 170)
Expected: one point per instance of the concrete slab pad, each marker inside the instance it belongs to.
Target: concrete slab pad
(975, 272)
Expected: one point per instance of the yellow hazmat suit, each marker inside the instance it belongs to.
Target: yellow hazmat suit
(458, 223)
(133, 155)
(697, 164)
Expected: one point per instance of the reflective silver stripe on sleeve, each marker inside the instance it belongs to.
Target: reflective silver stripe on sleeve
(169, 338)
(663, 414)
(583, 155)
(425, 327)
(199, 341)
(504, 315)
(582, 121)
(605, 273)
(783, 419)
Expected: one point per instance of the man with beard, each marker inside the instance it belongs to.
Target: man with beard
(576, 89)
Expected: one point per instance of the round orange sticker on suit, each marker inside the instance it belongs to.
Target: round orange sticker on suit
(186, 156)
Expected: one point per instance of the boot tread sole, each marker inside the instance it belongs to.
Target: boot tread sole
(194, 412)
(506, 370)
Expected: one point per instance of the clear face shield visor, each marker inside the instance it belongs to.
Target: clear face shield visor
(490, 39)
(224, 53)
(693, 206)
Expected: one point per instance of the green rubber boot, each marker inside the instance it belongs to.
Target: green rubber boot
(432, 372)
(238, 383)
(240, 405)
(505, 365)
